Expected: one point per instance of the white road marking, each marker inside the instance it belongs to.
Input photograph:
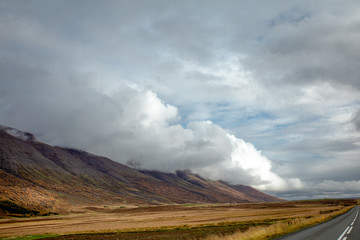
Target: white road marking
(348, 229)
(339, 238)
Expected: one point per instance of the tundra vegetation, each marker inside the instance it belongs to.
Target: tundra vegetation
(183, 221)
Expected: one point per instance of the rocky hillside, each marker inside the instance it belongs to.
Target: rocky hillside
(38, 175)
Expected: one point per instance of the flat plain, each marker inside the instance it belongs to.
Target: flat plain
(186, 221)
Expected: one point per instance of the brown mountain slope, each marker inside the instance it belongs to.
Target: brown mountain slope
(35, 174)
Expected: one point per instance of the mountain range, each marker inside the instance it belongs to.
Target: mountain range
(41, 176)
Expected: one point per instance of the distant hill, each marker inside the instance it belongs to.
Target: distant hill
(37, 175)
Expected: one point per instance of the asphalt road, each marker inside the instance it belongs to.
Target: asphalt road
(344, 227)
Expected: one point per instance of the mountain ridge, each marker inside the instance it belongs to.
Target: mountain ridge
(39, 175)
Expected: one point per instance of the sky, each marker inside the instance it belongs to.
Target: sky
(261, 93)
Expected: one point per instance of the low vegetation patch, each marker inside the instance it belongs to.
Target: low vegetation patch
(170, 233)
(12, 209)
(328, 211)
(28, 237)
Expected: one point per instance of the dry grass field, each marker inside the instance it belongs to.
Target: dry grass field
(168, 221)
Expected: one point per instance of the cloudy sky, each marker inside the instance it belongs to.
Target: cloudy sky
(263, 93)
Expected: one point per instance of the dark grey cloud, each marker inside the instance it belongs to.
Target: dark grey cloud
(318, 47)
(356, 121)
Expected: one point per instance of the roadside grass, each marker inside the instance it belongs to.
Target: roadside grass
(280, 228)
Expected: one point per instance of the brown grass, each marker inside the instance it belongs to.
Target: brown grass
(280, 228)
(189, 219)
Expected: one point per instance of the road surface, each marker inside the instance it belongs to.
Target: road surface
(344, 227)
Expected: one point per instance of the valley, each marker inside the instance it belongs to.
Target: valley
(65, 193)
(184, 221)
